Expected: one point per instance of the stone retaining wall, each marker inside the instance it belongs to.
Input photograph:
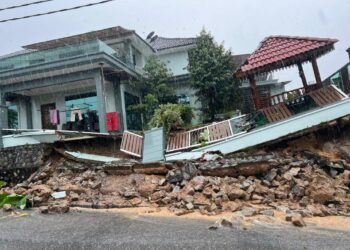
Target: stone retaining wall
(18, 163)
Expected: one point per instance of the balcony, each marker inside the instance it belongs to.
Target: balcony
(42, 57)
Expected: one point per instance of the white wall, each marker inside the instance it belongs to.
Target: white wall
(184, 89)
(176, 62)
(37, 101)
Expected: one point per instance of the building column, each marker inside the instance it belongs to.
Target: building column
(129, 54)
(118, 104)
(101, 100)
(316, 72)
(3, 116)
(122, 99)
(29, 116)
(255, 92)
(302, 76)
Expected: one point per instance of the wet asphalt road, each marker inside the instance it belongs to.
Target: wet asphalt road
(101, 230)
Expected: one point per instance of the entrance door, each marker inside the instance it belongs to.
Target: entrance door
(45, 116)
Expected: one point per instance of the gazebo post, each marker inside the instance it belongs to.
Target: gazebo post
(302, 76)
(255, 92)
(316, 72)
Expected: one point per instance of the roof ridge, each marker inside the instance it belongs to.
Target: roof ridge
(301, 38)
(173, 38)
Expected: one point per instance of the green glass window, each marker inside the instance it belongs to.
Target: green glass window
(82, 113)
(133, 119)
(184, 99)
(85, 102)
(13, 116)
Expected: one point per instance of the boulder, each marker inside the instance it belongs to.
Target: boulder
(157, 195)
(321, 189)
(235, 193)
(44, 209)
(249, 211)
(174, 176)
(267, 212)
(135, 201)
(298, 221)
(129, 194)
(231, 206)
(198, 183)
(200, 200)
(221, 223)
(189, 206)
(58, 208)
(146, 189)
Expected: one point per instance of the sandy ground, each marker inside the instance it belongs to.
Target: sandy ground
(330, 222)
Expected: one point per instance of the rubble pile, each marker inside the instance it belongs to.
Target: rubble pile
(304, 184)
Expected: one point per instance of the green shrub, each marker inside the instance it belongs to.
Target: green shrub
(172, 116)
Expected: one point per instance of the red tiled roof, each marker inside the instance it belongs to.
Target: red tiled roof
(277, 52)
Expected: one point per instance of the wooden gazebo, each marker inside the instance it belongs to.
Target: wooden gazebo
(278, 52)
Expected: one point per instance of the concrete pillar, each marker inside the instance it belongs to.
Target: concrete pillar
(302, 76)
(3, 112)
(255, 92)
(28, 105)
(101, 100)
(122, 99)
(3, 116)
(129, 54)
(316, 73)
(119, 104)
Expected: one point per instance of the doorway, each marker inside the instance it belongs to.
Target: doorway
(45, 116)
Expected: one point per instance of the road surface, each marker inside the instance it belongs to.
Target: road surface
(110, 230)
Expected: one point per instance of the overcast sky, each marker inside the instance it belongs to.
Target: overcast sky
(240, 24)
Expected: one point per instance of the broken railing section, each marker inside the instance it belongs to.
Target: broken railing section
(151, 146)
(296, 101)
(132, 144)
(205, 135)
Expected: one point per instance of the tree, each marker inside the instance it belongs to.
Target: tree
(154, 87)
(172, 116)
(211, 71)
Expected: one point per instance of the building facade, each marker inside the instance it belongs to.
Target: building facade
(83, 82)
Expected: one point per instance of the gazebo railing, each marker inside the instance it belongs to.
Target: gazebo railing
(287, 95)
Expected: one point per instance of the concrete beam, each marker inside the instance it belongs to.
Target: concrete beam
(57, 80)
(64, 67)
